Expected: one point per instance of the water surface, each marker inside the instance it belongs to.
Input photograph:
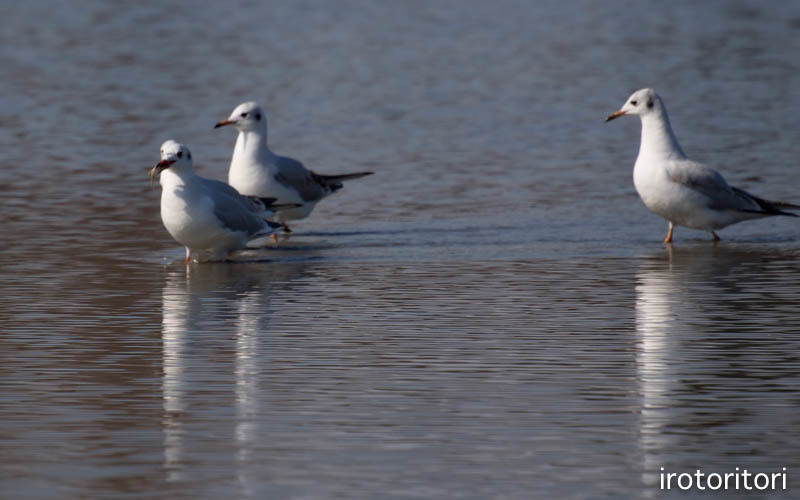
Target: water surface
(491, 315)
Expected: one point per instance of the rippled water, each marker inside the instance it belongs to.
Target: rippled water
(491, 315)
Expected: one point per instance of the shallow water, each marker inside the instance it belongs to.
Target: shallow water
(491, 315)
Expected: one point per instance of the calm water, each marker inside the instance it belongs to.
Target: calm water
(491, 315)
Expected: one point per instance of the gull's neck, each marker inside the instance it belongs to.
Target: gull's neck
(658, 139)
(172, 177)
(251, 149)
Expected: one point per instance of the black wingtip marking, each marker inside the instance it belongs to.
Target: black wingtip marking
(767, 207)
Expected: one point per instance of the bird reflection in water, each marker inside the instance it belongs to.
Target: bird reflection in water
(688, 303)
(215, 338)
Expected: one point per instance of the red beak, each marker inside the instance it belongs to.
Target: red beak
(162, 165)
(223, 123)
(615, 114)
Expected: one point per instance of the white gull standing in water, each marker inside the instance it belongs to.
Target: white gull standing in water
(685, 192)
(204, 215)
(257, 171)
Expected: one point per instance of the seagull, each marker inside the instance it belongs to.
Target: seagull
(257, 171)
(204, 215)
(685, 192)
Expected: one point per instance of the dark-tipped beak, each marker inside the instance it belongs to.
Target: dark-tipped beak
(615, 115)
(223, 123)
(162, 165)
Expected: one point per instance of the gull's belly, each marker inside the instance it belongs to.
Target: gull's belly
(195, 225)
(253, 180)
(677, 203)
(260, 182)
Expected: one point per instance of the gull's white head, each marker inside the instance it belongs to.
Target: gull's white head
(174, 156)
(247, 116)
(642, 102)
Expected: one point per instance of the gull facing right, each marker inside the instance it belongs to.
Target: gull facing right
(257, 171)
(685, 192)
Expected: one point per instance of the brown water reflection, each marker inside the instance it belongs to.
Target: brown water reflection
(283, 379)
(490, 315)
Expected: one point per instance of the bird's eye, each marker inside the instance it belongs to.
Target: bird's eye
(244, 115)
(180, 154)
(258, 117)
(634, 103)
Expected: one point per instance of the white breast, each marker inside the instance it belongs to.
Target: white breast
(190, 220)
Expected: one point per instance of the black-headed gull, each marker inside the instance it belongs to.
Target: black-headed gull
(207, 216)
(685, 192)
(257, 171)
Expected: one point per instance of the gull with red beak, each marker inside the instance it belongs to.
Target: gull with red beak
(257, 171)
(685, 192)
(206, 216)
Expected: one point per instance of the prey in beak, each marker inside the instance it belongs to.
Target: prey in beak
(615, 115)
(224, 122)
(157, 169)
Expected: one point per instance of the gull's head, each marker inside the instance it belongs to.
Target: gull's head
(246, 117)
(642, 102)
(174, 156)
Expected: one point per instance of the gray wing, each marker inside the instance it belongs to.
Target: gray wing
(219, 186)
(259, 206)
(292, 174)
(234, 211)
(709, 182)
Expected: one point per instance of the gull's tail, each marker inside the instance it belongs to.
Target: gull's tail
(769, 207)
(334, 182)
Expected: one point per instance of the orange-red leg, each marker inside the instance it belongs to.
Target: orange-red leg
(668, 239)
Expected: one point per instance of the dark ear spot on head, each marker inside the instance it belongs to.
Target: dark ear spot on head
(258, 117)
(189, 155)
(180, 154)
(650, 103)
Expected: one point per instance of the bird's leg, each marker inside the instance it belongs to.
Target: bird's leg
(188, 256)
(274, 238)
(668, 239)
(714, 236)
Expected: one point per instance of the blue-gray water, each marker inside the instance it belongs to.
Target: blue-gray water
(491, 315)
